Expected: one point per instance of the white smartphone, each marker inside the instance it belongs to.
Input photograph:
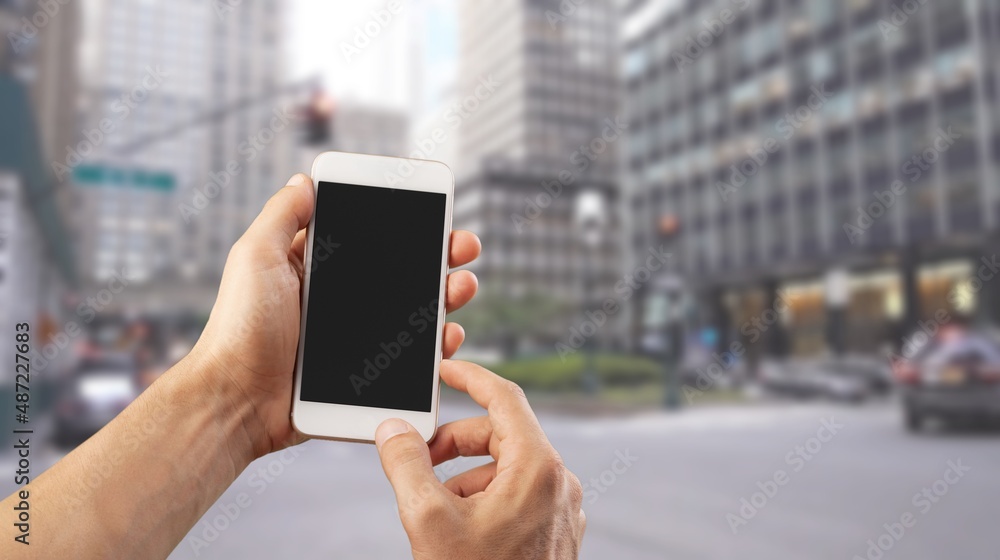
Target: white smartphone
(376, 263)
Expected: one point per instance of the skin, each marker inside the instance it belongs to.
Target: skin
(523, 505)
(136, 488)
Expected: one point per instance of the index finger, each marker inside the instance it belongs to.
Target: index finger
(509, 412)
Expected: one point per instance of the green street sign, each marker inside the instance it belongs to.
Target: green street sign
(104, 176)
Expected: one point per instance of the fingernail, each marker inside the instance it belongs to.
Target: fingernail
(296, 180)
(389, 429)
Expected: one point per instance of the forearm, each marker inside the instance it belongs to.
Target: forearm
(138, 485)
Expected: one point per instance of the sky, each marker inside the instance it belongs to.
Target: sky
(363, 59)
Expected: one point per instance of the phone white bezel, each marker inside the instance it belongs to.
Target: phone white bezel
(358, 423)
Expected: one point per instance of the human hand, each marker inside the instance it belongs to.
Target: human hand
(252, 335)
(524, 505)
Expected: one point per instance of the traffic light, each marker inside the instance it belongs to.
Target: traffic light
(318, 119)
(668, 226)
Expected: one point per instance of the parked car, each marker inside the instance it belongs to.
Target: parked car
(811, 380)
(838, 382)
(874, 372)
(863, 377)
(706, 372)
(100, 388)
(782, 378)
(954, 377)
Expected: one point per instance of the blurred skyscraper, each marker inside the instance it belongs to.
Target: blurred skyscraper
(38, 53)
(536, 109)
(355, 128)
(775, 132)
(36, 264)
(434, 58)
(369, 130)
(183, 136)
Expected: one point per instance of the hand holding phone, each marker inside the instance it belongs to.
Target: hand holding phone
(524, 505)
(253, 331)
(376, 261)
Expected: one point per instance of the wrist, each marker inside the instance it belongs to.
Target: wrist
(222, 407)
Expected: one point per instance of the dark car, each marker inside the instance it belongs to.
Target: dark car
(99, 390)
(955, 377)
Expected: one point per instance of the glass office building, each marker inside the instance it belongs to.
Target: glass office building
(537, 102)
(183, 89)
(795, 141)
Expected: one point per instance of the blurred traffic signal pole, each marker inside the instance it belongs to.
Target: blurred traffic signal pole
(671, 366)
(590, 380)
(226, 110)
(671, 288)
(318, 119)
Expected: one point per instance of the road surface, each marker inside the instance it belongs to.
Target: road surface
(669, 486)
(821, 481)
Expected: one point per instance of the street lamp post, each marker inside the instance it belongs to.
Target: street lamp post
(670, 288)
(590, 218)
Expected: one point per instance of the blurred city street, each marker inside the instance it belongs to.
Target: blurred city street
(688, 472)
(740, 254)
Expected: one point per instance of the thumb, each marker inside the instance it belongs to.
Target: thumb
(288, 211)
(406, 461)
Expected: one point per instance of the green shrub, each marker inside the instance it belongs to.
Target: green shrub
(551, 373)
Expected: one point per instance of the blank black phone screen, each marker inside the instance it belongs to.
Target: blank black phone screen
(371, 316)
